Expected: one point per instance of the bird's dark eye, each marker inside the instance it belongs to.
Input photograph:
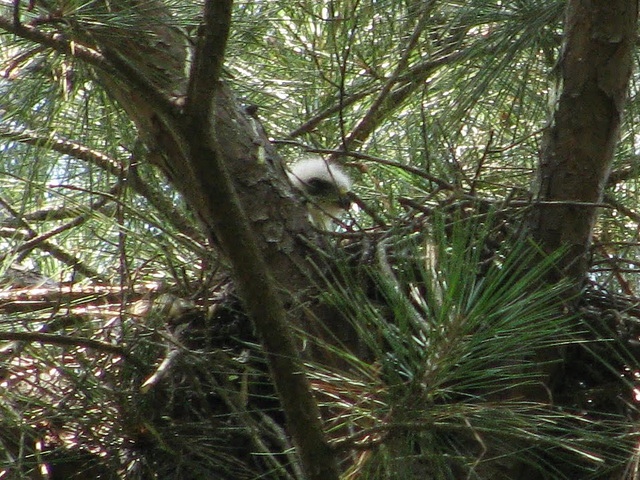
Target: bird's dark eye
(318, 187)
(344, 202)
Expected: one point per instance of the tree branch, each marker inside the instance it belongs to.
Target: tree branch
(107, 164)
(208, 57)
(57, 339)
(406, 84)
(108, 62)
(58, 43)
(59, 254)
(372, 114)
(255, 282)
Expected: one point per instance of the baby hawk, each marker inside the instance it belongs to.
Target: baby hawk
(325, 185)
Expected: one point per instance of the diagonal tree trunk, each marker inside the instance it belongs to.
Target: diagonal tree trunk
(219, 158)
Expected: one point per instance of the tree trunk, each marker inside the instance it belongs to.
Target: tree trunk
(594, 68)
(578, 148)
(221, 161)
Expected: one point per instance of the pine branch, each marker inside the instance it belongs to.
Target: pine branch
(63, 146)
(255, 282)
(208, 58)
(58, 43)
(59, 254)
(107, 164)
(57, 339)
(366, 123)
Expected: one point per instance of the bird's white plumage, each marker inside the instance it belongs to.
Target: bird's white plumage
(302, 171)
(325, 185)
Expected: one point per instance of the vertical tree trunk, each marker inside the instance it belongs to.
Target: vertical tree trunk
(595, 68)
(578, 147)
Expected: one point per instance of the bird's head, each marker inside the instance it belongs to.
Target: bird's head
(325, 185)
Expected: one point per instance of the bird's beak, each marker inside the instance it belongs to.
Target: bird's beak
(344, 200)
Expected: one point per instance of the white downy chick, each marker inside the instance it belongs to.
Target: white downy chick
(325, 185)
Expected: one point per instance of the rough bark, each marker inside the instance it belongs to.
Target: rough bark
(578, 148)
(595, 68)
(219, 158)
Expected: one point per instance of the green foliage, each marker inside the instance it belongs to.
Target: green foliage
(457, 341)
(451, 334)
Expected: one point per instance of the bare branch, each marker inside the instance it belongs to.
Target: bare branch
(109, 165)
(372, 114)
(109, 63)
(57, 339)
(59, 254)
(208, 57)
